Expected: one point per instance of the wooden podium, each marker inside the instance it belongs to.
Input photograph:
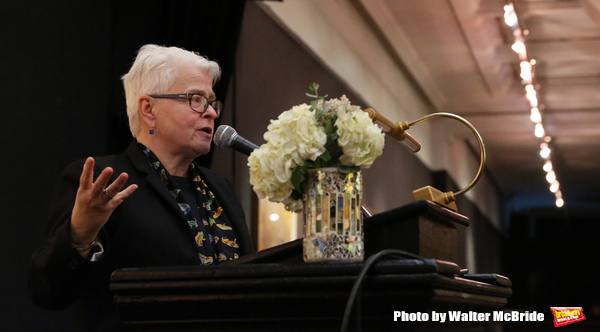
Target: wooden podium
(273, 290)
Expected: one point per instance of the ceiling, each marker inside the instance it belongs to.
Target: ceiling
(464, 47)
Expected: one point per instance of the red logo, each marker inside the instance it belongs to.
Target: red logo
(567, 315)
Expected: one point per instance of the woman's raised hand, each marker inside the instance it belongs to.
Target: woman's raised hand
(96, 201)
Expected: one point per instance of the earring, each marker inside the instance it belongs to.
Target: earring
(151, 132)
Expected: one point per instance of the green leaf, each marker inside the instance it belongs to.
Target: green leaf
(333, 136)
(325, 156)
(329, 128)
(297, 178)
(296, 194)
(315, 106)
(348, 169)
(314, 87)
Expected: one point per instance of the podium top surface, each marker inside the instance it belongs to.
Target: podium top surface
(423, 208)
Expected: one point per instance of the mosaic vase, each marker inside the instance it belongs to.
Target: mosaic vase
(333, 224)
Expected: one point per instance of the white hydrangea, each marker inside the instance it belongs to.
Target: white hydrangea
(361, 141)
(297, 134)
(270, 174)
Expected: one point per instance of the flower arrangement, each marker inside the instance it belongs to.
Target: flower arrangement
(326, 133)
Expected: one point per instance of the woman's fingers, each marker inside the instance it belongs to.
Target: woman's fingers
(114, 191)
(122, 195)
(87, 175)
(102, 181)
(101, 188)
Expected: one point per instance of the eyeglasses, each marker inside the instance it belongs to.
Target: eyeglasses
(198, 103)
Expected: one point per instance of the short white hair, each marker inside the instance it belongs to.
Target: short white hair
(154, 71)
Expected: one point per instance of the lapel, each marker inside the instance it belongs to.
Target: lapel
(140, 162)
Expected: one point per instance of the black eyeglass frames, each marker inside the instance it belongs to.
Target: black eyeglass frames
(198, 103)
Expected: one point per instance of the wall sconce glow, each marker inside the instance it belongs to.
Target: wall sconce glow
(548, 166)
(539, 130)
(274, 217)
(560, 202)
(550, 177)
(536, 116)
(554, 186)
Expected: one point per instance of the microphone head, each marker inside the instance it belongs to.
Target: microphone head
(224, 136)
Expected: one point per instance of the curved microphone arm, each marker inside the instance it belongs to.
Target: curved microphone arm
(482, 153)
(398, 131)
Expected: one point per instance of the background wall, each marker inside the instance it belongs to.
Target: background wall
(273, 73)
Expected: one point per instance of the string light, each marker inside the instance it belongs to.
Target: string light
(527, 74)
(536, 116)
(526, 71)
(539, 130)
(559, 202)
(510, 17)
(554, 186)
(518, 47)
(550, 176)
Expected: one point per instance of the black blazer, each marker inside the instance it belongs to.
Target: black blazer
(147, 229)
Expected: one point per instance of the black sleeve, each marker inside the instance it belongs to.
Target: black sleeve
(57, 269)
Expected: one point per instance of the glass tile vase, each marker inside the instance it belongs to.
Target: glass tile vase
(333, 224)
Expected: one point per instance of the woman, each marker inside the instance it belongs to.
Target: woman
(151, 205)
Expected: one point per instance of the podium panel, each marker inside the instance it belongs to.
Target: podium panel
(303, 297)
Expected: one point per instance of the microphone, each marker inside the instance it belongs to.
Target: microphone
(227, 137)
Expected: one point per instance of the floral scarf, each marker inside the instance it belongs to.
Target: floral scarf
(215, 238)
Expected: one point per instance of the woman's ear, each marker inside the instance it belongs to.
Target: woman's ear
(146, 110)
